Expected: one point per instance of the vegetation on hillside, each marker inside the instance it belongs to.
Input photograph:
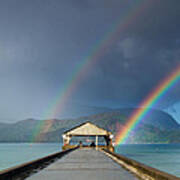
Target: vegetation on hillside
(31, 130)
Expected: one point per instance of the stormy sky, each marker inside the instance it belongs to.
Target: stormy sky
(43, 42)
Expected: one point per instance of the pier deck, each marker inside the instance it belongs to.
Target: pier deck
(84, 164)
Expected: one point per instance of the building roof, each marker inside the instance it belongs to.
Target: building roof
(87, 129)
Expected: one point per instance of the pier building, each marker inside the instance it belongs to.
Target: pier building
(88, 129)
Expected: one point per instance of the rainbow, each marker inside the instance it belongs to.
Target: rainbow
(80, 72)
(145, 107)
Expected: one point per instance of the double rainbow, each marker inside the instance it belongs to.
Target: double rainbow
(145, 107)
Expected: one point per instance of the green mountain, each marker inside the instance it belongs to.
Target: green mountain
(158, 127)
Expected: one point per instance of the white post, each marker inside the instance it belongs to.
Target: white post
(96, 142)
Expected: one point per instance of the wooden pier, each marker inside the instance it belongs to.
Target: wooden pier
(92, 164)
(84, 164)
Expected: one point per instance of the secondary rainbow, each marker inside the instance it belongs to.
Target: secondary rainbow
(145, 107)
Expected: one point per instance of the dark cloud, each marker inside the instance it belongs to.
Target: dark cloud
(43, 42)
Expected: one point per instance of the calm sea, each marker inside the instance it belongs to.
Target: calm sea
(160, 156)
(165, 157)
(12, 154)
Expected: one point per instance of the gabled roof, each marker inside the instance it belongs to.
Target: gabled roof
(87, 129)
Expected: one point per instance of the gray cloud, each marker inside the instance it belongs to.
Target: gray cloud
(42, 43)
(132, 48)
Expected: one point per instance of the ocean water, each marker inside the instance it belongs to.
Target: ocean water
(12, 154)
(165, 157)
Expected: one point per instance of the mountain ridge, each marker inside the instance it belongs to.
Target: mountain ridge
(159, 127)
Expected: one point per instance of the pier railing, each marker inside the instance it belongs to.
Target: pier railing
(143, 171)
(22, 171)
